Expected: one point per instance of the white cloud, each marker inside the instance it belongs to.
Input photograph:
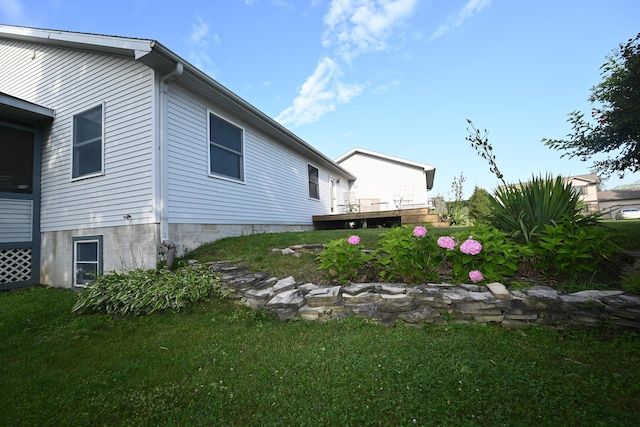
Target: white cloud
(470, 8)
(319, 94)
(199, 41)
(354, 27)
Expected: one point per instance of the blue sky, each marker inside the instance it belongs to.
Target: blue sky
(395, 76)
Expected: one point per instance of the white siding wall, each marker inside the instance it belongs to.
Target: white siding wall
(71, 81)
(275, 188)
(377, 178)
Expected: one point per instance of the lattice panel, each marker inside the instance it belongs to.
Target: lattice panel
(15, 265)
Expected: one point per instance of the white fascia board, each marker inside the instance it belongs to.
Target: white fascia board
(354, 151)
(126, 46)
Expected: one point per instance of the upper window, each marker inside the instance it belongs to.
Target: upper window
(225, 149)
(314, 183)
(87, 142)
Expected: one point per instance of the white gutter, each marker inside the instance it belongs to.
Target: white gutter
(162, 147)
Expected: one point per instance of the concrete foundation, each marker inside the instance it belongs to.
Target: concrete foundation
(124, 248)
(137, 246)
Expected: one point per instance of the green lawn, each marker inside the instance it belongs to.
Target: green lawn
(221, 364)
(218, 363)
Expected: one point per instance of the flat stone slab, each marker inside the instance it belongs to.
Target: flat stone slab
(416, 316)
(387, 288)
(542, 293)
(499, 290)
(362, 298)
(573, 299)
(291, 299)
(595, 294)
(323, 296)
(623, 301)
(266, 293)
(357, 288)
(311, 313)
(285, 284)
(308, 287)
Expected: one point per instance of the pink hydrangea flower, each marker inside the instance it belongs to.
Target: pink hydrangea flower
(354, 240)
(447, 243)
(470, 247)
(475, 276)
(419, 231)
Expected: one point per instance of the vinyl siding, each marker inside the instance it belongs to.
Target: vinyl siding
(71, 81)
(16, 218)
(275, 187)
(378, 178)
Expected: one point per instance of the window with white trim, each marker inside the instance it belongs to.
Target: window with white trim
(88, 142)
(314, 182)
(87, 259)
(226, 149)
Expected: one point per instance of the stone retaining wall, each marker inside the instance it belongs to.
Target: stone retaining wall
(390, 303)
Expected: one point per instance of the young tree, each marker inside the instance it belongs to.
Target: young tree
(616, 112)
(479, 205)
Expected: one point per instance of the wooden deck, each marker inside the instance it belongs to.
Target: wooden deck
(377, 219)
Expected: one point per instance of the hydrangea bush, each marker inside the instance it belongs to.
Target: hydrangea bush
(412, 255)
(343, 259)
(408, 256)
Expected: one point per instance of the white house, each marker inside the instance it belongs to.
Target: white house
(385, 182)
(111, 145)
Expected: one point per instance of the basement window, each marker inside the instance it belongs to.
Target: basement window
(87, 260)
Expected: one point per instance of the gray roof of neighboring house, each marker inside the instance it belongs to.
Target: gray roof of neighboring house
(164, 61)
(613, 195)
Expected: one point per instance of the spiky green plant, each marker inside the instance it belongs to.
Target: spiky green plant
(522, 211)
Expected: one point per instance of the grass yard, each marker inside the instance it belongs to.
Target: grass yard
(220, 364)
(217, 363)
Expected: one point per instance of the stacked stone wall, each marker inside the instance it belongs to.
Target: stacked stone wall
(390, 303)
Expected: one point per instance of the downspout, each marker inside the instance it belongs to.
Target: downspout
(168, 245)
(162, 147)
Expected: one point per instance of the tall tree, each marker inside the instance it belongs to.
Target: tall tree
(615, 129)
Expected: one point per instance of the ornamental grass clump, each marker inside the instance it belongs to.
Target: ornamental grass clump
(139, 292)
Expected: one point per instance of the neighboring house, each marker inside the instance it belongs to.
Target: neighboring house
(587, 188)
(384, 182)
(612, 201)
(112, 145)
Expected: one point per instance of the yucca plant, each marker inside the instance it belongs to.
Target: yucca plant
(522, 211)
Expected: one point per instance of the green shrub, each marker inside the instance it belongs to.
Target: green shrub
(343, 259)
(568, 249)
(500, 255)
(408, 254)
(522, 212)
(479, 206)
(138, 292)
